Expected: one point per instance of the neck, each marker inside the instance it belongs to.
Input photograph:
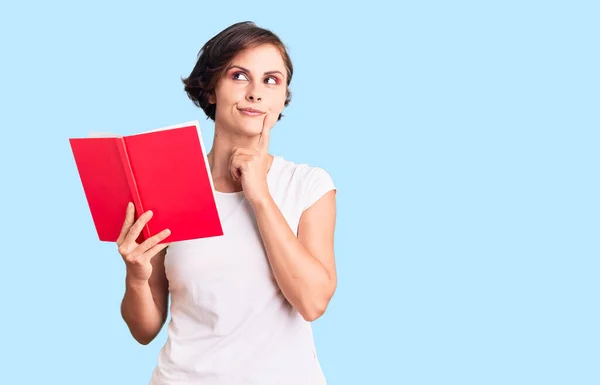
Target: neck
(224, 142)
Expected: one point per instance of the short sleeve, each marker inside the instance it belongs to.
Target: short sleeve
(317, 182)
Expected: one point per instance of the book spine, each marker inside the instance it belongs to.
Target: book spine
(139, 208)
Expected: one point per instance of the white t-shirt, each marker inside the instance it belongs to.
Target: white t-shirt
(230, 324)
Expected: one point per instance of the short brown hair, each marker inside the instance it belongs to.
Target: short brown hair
(216, 55)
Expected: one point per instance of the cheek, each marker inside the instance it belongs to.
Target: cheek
(279, 100)
(227, 95)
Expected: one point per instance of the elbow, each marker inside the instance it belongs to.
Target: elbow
(139, 335)
(144, 339)
(312, 314)
(315, 309)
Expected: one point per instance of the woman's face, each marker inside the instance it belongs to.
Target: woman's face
(253, 85)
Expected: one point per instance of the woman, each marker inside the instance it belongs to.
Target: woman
(242, 303)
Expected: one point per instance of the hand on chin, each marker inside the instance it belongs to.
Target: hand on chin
(249, 164)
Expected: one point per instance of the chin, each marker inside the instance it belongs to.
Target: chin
(249, 127)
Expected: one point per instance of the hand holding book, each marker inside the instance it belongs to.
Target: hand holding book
(137, 256)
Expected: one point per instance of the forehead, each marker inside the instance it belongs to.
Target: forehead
(262, 58)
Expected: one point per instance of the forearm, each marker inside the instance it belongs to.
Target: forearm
(302, 278)
(140, 312)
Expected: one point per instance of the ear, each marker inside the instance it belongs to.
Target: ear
(211, 98)
(288, 96)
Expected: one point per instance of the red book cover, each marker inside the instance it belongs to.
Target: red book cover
(164, 170)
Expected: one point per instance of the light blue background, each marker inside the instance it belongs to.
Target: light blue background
(463, 137)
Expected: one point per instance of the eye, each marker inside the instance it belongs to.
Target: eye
(236, 76)
(273, 80)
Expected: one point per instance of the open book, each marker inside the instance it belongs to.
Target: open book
(163, 170)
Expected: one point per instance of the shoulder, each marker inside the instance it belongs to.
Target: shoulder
(305, 182)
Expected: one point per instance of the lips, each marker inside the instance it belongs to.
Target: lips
(250, 111)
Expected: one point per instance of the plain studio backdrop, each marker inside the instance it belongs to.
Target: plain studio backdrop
(463, 138)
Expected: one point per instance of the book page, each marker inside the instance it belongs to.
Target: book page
(103, 135)
(186, 124)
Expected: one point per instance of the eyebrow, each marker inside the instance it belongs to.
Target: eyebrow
(247, 70)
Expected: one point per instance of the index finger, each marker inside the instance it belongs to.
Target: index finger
(265, 134)
(138, 226)
(127, 223)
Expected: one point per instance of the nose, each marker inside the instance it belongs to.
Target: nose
(253, 94)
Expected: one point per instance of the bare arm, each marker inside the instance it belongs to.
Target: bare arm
(144, 305)
(303, 266)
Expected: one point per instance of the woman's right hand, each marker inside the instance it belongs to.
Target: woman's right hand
(137, 256)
